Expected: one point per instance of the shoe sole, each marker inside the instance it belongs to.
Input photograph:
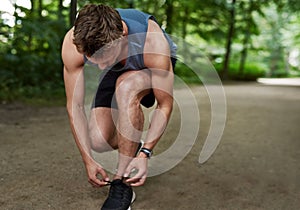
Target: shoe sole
(132, 200)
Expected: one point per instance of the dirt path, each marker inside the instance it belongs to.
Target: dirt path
(256, 165)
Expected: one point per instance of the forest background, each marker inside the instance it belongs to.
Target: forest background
(243, 39)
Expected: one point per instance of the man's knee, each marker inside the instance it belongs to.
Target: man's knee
(132, 86)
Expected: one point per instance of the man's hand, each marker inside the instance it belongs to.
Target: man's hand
(140, 164)
(93, 169)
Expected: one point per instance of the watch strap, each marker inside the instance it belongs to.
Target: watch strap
(146, 151)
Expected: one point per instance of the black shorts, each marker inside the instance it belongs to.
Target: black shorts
(106, 89)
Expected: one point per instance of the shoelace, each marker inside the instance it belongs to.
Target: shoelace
(110, 182)
(117, 189)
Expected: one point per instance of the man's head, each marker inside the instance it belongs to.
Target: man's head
(96, 26)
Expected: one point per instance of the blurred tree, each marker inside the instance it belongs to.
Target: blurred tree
(60, 9)
(130, 3)
(169, 11)
(31, 62)
(30, 44)
(73, 11)
(278, 21)
(229, 37)
(249, 28)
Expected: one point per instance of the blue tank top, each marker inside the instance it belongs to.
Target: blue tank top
(137, 24)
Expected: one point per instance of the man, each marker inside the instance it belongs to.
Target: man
(136, 56)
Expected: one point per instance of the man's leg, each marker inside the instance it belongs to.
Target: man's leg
(131, 87)
(102, 126)
(102, 129)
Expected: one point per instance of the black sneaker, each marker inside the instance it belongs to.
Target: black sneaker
(120, 196)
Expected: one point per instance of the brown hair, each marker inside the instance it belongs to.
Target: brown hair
(95, 26)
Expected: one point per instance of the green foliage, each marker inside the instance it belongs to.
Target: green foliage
(31, 64)
(251, 72)
(30, 60)
(186, 74)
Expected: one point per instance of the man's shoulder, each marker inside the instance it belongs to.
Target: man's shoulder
(127, 10)
(68, 39)
(134, 14)
(70, 56)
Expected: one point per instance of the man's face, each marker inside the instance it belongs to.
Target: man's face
(107, 55)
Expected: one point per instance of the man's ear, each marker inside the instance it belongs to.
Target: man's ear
(124, 29)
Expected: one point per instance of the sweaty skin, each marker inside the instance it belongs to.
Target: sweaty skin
(157, 59)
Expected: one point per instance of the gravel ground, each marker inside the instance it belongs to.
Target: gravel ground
(256, 165)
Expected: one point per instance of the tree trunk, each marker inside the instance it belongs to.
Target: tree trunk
(32, 7)
(184, 32)
(73, 11)
(169, 12)
(244, 52)
(229, 41)
(60, 10)
(40, 8)
(247, 36)
(184, 22)
(130, 3)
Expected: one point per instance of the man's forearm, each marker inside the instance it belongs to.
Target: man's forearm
(79, 126)
(158, 125)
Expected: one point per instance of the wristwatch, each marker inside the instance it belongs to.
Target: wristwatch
(147, 152)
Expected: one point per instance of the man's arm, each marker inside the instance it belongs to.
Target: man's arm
(157, 59)
(74, 86)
